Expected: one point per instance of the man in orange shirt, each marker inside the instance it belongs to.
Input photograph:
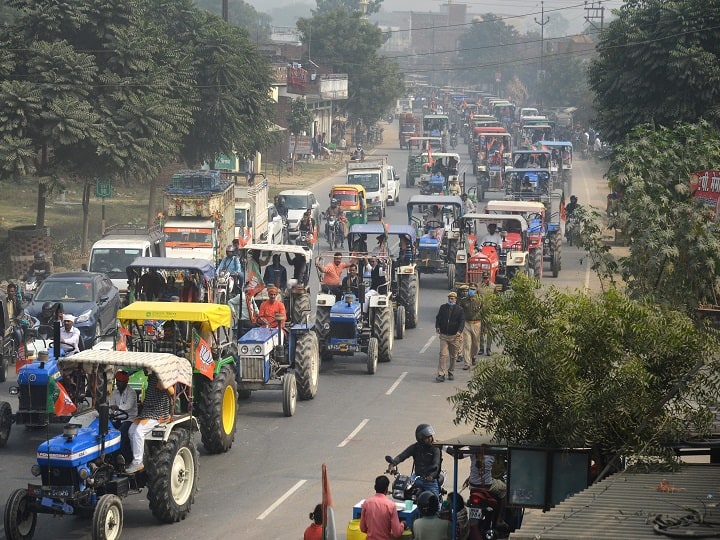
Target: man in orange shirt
(332, 275)
(270, 308)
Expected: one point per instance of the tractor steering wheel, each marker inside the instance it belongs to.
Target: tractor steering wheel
(118, 415)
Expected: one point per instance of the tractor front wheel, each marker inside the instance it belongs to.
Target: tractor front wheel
(217, 407)
(107, 523)
(172, 477)
(400, 322)
(372, 356)
(300, 307)
(20, 521)
(289, 385)
(383, 331)
(307, 365)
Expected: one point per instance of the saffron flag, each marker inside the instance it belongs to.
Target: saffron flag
(329, 532)
(253, 282)
(58, 399)
(204, 361)
(121, 343)
(563, 214)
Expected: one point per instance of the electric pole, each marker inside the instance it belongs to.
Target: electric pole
(595, 12)
(225, 10)
(542, 22)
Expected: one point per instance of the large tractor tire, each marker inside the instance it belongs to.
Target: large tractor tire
(372, 356)
(322, 320)
(290, 391)
(19, 520)
(383, 331)
(107, 521)
(5, 422)
(535, 261)
(409, 297)
(4, 361)
(216, 410)
(555, 254)
(307, 365)
(451, 276)
(172, 477)
(300, 307)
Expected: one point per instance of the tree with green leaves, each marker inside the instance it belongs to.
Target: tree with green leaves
(299, 120)
(342, 40)
(674, 242)
(243, 15)
(658, 63)
(618, 376)
(326, 6)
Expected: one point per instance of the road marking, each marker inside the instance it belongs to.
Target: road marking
(355, 432)
(396, 383)
(281, 500)
(429, 342)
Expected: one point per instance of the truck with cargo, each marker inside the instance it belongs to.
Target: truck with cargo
(199, 215)
(372, 175)
(253, 224)
(408, 126)
(120, 246)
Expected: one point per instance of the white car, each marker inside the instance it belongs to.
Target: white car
(393, 185)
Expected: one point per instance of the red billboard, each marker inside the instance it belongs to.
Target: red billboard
(705, 187)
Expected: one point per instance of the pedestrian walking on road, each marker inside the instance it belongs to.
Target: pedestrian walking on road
(472, 334)
(449, 324)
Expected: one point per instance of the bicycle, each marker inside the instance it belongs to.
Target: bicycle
(293, 168)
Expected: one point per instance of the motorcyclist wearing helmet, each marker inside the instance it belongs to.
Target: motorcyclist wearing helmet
(426, 459)
(40, 267)
(307, 223)
(429, 525)
(571, 206)
(51, 312)
(332, 211)
(358, 154)
(231, 264)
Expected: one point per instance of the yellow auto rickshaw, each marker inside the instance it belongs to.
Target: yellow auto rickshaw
(351, 200)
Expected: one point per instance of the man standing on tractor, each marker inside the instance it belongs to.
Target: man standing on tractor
(275, 273)
(468, 204)
(332, 274)
(272, 312)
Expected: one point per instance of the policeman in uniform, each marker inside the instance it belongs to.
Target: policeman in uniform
(472, 306)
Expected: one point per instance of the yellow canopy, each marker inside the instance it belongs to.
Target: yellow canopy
(215, 315)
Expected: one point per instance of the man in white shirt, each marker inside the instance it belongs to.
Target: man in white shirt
(69, 336)
(492, 235)
(124, 398)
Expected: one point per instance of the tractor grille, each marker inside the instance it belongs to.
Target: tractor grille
(58, 476)
(253, 368)
(342, 330)
(477, 276)
(33, 397)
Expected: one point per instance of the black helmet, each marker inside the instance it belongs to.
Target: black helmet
(573, 198)
(48, 308)
(423, 431)
(333, 201)
(427, 503)
(281, 200)
(39, 255)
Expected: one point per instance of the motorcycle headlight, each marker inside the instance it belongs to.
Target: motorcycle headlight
(84, 316)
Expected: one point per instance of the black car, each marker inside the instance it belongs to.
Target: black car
(89, 296)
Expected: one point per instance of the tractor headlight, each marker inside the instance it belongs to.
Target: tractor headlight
(244, 349)
(257, 349)
(485, 266)
(83, 473)
(35, 470)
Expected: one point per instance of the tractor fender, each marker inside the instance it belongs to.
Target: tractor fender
(325, 299)
(162, 431)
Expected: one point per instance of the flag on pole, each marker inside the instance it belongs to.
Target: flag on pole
(431, 161)
(121, 343)
(254, 281)
(329, 532)
(58, 399)
(204, 361)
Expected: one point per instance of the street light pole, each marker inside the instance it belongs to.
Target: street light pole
(542, 22)
(225, 10)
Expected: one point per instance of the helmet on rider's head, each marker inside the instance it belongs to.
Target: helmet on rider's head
(359, 147)
(229, 250)
(573, 198)
(281, 200)
(427, 503)
(47, 309)
(333, 201)
(39, 255)
(423, 431)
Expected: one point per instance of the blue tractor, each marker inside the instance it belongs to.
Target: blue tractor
(82, 471)
(343, 327)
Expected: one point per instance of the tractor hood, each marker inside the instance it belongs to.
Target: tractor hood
(84, 446)
(38, 373)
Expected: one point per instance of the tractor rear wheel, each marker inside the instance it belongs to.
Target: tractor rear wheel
(307, 365)
(107, 521)
(20, 521)
(217, 407)
(5, 422)
(300, 307)
(289, 385)
(400, 322)
(451, 276)
(372, 355)
(172, 477)
(383, 331)
(408, 296)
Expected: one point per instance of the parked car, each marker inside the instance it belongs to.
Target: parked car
(297, 201)
(393, 180)
(89, 296)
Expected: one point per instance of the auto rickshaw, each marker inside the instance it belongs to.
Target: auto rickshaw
(351, 199)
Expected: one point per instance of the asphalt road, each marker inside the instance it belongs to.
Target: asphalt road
(269, 481)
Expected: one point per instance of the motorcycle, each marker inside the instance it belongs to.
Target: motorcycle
(407, 488)
(224, 286)
(33, 281)
(571, 229)
(357, 156)
(453, 140)
(333, 231)
(303, 239)
(481, 507)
